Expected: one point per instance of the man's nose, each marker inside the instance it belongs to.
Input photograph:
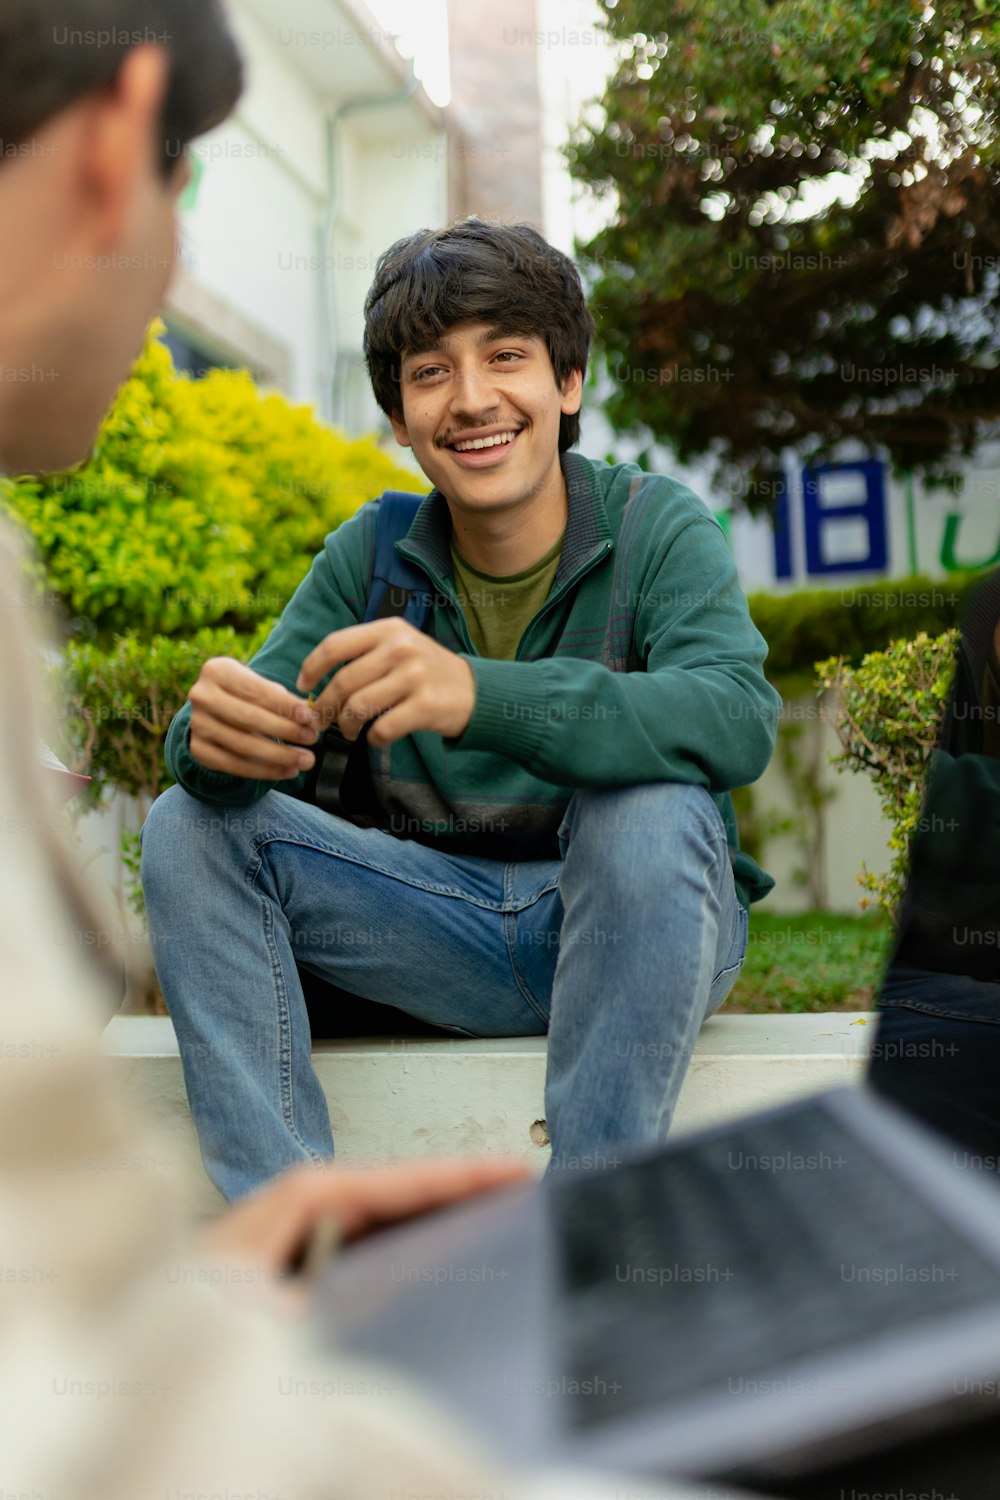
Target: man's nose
(473, 390)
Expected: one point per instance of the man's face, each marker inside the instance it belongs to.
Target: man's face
(128, 293)
(481, 412)
(98, 244)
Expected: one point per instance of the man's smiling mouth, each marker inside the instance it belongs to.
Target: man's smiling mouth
(478, 439)
(487, 442)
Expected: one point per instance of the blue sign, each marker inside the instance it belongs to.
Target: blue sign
(843, 521)
(843, 513)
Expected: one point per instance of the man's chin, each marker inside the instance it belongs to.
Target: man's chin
(48, 447)
(42, 458)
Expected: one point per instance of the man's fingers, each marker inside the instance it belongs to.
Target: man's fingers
(361, 1198)
(277, 1221)
(243, 713)
(351, 679)
(373, 700)
(344, 645)
(238, 718)
(221, 748)
(243, 682)
(395, 724)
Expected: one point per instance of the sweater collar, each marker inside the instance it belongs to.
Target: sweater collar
(428, 540)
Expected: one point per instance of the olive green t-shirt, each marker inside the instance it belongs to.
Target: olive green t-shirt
(497, 610)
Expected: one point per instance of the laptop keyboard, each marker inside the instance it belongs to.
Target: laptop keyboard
(717, 1263)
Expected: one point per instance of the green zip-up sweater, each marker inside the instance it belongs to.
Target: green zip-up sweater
(643, 665)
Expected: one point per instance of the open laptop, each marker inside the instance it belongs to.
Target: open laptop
(805, 1301)
(754, 1304)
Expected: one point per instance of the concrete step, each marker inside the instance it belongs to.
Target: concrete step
(451, 1096)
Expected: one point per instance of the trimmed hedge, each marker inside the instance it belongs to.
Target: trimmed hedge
(811, 625)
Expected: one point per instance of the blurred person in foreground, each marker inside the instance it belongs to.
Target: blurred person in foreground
(131, 1362)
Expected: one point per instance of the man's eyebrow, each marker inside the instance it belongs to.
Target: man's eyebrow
(443, 344)
(440, 346)
(495, 335)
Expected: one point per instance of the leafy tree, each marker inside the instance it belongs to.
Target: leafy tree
(807, 238)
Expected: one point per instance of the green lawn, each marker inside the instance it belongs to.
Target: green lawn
(811, 962)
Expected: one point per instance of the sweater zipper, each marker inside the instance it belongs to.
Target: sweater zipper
(560, 593)
(442, 588)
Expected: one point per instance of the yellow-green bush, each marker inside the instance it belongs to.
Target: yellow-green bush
(203, 503)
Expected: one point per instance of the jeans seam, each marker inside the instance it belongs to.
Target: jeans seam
(284, 1020)
(319, 847)
(937, 1011)
(510, 937)
(736, 967)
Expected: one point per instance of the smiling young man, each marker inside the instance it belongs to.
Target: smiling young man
(550, 758)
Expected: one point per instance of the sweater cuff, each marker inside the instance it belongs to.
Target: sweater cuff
(510, 711)
(209, 786)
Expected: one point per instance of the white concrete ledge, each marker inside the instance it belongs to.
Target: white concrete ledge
(448, 1096)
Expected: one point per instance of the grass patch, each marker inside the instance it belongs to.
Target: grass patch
(813, 962)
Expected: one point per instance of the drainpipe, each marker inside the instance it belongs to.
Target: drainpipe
(330, 356)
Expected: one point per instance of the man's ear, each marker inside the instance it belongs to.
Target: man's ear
(399, 429)
(120, 147)
(572, 392)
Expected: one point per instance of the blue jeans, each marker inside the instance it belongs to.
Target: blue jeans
(619, 950)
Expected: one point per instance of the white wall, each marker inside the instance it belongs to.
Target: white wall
(290, 245)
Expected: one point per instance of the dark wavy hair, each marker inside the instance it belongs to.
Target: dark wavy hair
(53, 52)
(506, 275)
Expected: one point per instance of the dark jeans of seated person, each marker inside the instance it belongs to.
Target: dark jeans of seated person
(937, 1055)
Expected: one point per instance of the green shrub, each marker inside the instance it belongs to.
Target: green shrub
(809, 624)
(888, 713)
(115, 707)
(116, 704)
(203, 503)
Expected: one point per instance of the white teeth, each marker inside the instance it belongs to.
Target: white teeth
(488, 442)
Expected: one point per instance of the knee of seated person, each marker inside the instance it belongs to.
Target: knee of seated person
(659, 815)
(179, 822)
(166, 819)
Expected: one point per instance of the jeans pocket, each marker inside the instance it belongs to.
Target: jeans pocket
(730, 972)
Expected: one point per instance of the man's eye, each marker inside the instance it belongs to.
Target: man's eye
(427, 370)
(507, 354)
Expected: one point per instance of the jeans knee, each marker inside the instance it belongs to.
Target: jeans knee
(163, 830)
(180, 833)
(662, 818)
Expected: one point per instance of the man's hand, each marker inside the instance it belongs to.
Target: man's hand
(271, 1226)
(396, 675)
(236, 718)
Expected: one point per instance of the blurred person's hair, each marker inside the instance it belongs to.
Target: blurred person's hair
(505, 275)
(55, 52)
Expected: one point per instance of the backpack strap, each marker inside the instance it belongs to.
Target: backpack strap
(398, 587)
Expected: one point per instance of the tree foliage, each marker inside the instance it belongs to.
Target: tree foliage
(807, 238)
